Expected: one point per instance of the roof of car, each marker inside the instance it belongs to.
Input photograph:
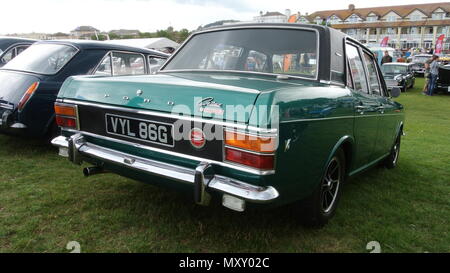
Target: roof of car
(6, 41)
(88, 44)
(262, 25)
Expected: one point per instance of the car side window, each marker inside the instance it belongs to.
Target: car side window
(357, 69)
(104, 68)
(349, 77)
(20, 49)
(154, 63)
(127, 64)
(9, 55)
(374, 82)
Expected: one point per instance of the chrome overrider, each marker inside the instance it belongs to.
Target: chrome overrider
(203, 179)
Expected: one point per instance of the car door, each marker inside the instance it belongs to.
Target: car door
(366, 109)
(383, 108)
(387, 110)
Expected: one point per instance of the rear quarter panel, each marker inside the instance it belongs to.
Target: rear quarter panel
(313, 121)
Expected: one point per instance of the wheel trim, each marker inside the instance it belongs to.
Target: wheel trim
(330, 185)
(395, 154)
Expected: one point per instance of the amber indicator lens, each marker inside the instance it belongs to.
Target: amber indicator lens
(250, 142)
(65, 110)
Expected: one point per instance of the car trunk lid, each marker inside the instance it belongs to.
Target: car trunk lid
(202, 95)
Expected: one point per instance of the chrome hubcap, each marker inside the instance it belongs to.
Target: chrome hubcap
(396, 152)
(330, 185)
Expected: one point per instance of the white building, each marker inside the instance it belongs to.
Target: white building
(406, 26)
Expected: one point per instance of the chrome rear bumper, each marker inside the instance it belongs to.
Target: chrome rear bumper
(202, 178)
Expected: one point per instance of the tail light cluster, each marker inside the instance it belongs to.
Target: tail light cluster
(28, 94)
(250, 150)
(66, 115)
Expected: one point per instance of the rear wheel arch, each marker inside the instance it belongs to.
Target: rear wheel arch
(346, 143)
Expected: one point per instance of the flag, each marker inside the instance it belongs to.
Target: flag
(439, 44)
(384, 42)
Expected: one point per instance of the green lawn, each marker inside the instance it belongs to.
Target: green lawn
(45, 202)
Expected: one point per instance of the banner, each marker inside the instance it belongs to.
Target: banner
(384, 42)
(439, 45)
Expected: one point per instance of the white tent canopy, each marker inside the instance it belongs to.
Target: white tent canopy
(150, 43)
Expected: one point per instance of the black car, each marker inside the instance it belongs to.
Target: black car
(10, 47)
(399, 75)
(443, 81)
(29, 83)
(419, 61)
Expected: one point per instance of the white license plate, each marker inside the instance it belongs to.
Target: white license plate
(447, 90)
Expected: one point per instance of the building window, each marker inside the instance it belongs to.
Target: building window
(416, 17)
(391, 18)
(334, 20)
(353, 19)
(372, 19)
(318, 21)
(437, 16)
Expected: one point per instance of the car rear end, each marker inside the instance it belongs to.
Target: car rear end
(443, 82)
(136, 132)
(16, 89)
(28, 88)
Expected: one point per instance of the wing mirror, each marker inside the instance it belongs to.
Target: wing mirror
(395, 92)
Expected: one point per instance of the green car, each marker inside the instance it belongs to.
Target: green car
(255, 115)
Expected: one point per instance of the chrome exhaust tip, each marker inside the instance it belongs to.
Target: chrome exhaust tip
(89, 171)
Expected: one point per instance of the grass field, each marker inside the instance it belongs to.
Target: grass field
(45, 202)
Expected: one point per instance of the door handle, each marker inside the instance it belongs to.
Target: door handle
(361, 109)
(380, 109)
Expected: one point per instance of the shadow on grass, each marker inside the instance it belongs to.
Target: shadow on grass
(24, 145)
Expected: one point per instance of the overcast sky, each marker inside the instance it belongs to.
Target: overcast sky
(50, 16)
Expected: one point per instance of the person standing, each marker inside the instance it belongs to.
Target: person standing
(386, 58)
(434, 71)
(427, 76)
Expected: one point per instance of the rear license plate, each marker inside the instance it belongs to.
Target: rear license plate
(448, 89)
(140, 129)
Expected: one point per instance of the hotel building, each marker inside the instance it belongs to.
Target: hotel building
(407, 26)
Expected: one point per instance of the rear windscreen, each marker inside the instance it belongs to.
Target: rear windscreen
(45, 59)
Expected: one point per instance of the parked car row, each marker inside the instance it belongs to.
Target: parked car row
(251, 114)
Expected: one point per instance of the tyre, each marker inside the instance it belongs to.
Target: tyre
(391, 161)
(321, 206)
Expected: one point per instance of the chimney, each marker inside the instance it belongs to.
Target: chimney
(351, 7)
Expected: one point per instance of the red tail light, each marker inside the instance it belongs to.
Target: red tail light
(66, 122)
(66, 115)
(26, 97)
(258, 161)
